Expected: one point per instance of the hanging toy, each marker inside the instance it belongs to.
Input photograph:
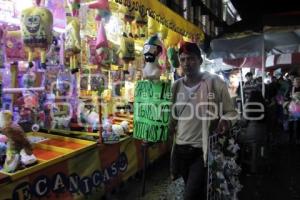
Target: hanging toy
(127, 51)
(128, 19)
(173, 57)
(141, 22)
(30, 97)
(163, 32)
(172, 39)
(102, 7)
(153, 26)
(151, 51)
(74, 6)
(36, 27)
(19, 150)
(102, 48)
(1, 47)
(162, 59)
(72, 43)
(53, 55)
(14, 47)
(72, 36)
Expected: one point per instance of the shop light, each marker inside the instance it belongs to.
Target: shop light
(23, 4)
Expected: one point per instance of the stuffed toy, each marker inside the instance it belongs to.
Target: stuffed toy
(141, 23)
(173, 57)
(112, 132)
(73, 43)
(173, 38)
(14, 47)
(36, 27)
(163, 32)
(19, 150)
(1, 47)
(53, 55)
(127, 51)
(89, 115)
(74, 6)
(153, 26)
(30, 97)
(102, 47)
(102, 8)
(151, 51)
(128, 19)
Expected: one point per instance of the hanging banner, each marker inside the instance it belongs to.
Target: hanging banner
(152, 110)
(165, 16)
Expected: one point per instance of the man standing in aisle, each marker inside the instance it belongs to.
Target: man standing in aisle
(197, 99)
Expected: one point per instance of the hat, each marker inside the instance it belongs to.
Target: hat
(188, 47)
(152, 45)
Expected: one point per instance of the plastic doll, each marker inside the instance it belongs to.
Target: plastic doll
(151, 51)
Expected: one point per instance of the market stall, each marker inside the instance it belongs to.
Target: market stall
(75, 75)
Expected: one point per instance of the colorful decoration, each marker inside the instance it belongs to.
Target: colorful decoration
(127, 49)
(1, 47)
(172, 39)
(151, 51)
(102, 7)
(74, 6)
(112, 132)
(141, 23)
(173, 57)
(36, 27)
(14, 48)
(153, 26)
(102, 45)
(72, 43)
(53, 55)
(163, 32)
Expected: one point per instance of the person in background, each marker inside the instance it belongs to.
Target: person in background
(296, 85)
(249, 85)
(189, 123)
(256, 134)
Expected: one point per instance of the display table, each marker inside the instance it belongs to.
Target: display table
(87, 173)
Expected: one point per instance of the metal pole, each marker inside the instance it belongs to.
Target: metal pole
(145, 150)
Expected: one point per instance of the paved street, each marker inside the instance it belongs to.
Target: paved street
(280, 182)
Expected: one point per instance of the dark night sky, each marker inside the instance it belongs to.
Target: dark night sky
(257, 13)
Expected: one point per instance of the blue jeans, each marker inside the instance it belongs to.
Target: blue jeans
(188, 162)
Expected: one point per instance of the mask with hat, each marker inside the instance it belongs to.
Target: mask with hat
(152, 49)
